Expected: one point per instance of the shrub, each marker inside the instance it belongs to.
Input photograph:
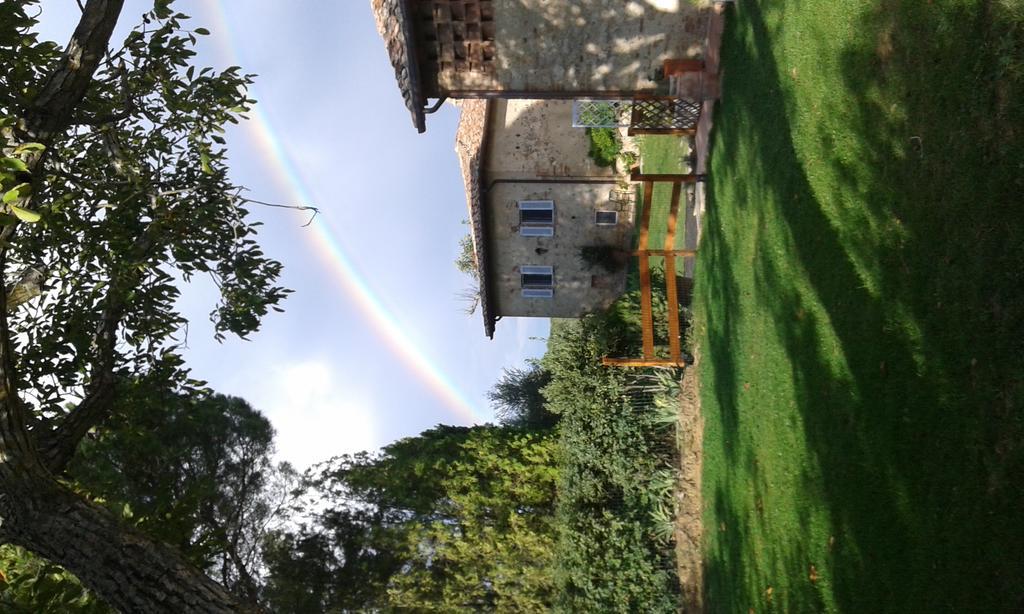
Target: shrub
(607, 257)
(604, 145)
(613, 515)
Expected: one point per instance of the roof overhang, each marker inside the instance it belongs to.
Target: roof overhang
(471, 144)
(397, 28)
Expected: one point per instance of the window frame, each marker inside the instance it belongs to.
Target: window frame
(533, 228)
(597, 217)
(537, 290)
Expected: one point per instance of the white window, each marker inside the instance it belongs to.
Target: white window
(537, 281)
(536, 218)
(537, 231)
(607, 218)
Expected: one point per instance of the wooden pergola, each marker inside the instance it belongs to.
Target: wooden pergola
(668, 251)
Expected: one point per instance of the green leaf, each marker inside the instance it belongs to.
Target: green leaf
(18, 191)
(24, 147)
(26, 215)
(204, 161)
(202, 31)
(14, 164)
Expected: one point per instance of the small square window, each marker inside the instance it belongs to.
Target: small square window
(607, 218)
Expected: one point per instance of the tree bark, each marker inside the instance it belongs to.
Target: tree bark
(130, 571)
(64, 88)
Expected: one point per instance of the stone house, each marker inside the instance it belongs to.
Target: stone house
(516, 67)
(538, 49)
(535, 201)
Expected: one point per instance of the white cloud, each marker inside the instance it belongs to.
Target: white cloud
(317, 415)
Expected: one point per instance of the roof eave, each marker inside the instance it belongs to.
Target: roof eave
(416, 99)
(484, 272)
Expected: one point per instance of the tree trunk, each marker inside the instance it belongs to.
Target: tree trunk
(130, 571)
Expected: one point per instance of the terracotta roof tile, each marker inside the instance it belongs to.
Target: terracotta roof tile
(394, 27)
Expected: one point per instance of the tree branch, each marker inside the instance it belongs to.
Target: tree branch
(65, 87)
(48, 114)
(58, 446)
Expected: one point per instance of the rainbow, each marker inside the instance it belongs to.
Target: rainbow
(330, 247)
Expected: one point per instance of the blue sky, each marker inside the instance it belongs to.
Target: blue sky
(376, 267)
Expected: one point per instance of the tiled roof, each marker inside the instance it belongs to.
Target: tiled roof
(394, 27)
(470, 145)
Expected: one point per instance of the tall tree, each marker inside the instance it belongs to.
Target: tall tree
(454, 519)
(196, 474)
(517, 397)
(114, 182)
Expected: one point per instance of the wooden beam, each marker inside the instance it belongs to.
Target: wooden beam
(672, 293)
(639, 362)
(662, 252)
(636, 175)
(645, 217)
(646, 313)
(677, 66)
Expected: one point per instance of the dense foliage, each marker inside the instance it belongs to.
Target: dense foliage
(454, 519)
(604, 145)
(517, 398)
(615, 455)
(197, 474)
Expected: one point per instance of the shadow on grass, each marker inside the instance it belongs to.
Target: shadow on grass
(912, 259)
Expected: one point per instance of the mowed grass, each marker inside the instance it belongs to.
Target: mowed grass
(661, 154)
(860, 309)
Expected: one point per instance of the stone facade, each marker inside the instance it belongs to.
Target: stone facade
(575, 46)
(577, 288)
(527, 150)
(535, 138)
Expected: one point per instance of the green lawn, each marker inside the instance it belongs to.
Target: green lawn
(660, 154)
(860, 309)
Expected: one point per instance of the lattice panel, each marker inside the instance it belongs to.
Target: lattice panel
(664, 114)
(601, 113)
(457, 35)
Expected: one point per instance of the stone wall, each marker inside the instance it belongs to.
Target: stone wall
(583, 45)
(535, 138)
(577, 289)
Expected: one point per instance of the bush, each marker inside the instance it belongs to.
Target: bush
(608, 257)
(604, 145)
(612, 555)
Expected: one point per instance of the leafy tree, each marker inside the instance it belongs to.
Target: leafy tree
(517, 397)
(466, 262)
(31, 585)
(196, 474)
(112, 169)
(457, 518)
